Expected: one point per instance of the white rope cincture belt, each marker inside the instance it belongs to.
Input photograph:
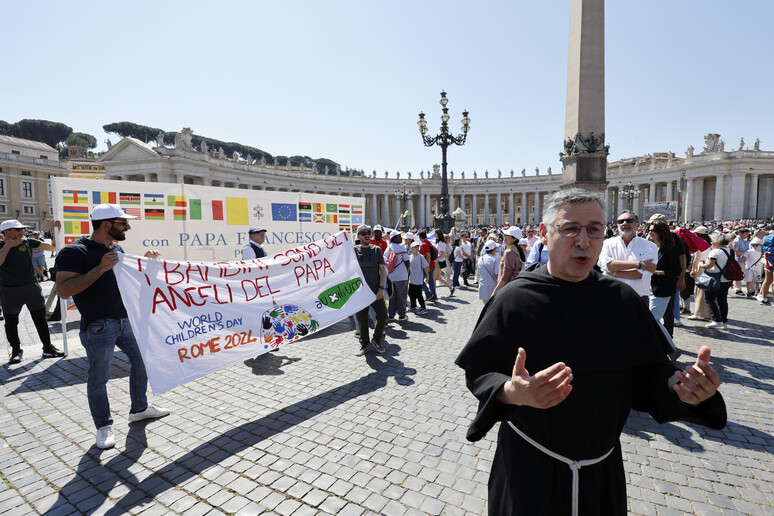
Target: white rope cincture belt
(575, 465)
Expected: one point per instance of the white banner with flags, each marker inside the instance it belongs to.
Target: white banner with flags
(193, 318)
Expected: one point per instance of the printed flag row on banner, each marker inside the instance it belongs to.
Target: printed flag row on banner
(151, 207)
(345, 215)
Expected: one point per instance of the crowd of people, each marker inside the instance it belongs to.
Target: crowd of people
(660, 260)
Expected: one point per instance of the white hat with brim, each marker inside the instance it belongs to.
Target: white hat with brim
(490, 246)
(109, 211)
(394, 233)
(12, 224)
(416, 244)
(410, 236)
(513, 232)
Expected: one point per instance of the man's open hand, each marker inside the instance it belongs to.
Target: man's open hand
(546, 389)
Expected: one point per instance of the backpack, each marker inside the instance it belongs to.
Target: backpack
(733, 271)
(391, 260)
(433, 252)
(768, 247)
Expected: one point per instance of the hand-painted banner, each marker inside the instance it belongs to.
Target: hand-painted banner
(193, 318)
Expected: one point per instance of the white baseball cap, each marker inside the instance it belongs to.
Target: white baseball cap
(378, 227)
(490, 246)
(416, 244)
(394, 233)
(12, 224)
(513, 231)
(410, 236)
(109, 211)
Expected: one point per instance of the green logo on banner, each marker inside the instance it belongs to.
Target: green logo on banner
(338, 295)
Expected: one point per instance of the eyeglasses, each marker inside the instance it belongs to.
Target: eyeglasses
(570, 230)
(123, 222)
(364, 233)
(630, 220)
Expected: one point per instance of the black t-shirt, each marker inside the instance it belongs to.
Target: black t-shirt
(102, 299)
(17, 269)
(370, 258)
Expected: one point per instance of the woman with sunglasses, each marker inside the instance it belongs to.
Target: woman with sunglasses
(663, 282)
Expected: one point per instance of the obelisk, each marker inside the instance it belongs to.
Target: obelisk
(584, 157)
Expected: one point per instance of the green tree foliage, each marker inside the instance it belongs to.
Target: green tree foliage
(148, 134)
(84, 140)
(7, 129)
(52, 133)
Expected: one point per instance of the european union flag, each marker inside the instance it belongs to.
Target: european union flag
(283, 211)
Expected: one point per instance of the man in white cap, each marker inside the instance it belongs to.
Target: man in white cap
(510, 265)
(377, 239)
(254, 248)
(19, 287)
(85, 272)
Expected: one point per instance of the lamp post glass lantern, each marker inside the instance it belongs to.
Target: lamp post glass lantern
(629, 193)
(444, 220)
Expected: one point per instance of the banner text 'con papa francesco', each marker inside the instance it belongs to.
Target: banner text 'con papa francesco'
(249, 282)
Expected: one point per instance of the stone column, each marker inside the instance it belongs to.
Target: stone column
(652, 192)
(752, 201)
(736, 201)
(670, 191)
(718, 208)
(621, 204)
(499, 221)
(486, 208)
(511, 212)
(385, 214)
(538, 203)
(473, 209)
(524, 208)
(373, 212)
(585, 106)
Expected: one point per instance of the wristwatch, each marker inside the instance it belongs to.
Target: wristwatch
(639, 265)
(381, 287)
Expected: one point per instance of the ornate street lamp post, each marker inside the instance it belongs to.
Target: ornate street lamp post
(628, 192)
(444, 220)
(403, 196)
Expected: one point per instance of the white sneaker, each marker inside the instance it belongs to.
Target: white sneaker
(714, 324)
(105, 437)
(150, 412)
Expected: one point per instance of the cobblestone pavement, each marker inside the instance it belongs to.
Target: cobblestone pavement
(313, 429)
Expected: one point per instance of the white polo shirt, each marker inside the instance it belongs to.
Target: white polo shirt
(638, 250)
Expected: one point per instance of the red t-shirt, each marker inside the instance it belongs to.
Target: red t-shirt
(424, 249)
(381, 244)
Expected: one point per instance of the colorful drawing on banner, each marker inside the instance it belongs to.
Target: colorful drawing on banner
(154, 214)
(344, 208)
(237, 213)
(217, 210)
(332, 219)
(357, 220)
(195, 208)
(179, 201)
(153, 199)
(75, 196)
(103, 197)
(357, 209)
(331, 208)
(76, 228)
(283, 211)
(70, 239)
(129, 198)
(284, 324)
(319, 217)
(305, 217)
(134, 211)
(75, 212)
(338, 295)
(179, 213)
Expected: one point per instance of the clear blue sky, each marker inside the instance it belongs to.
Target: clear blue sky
(345, 80)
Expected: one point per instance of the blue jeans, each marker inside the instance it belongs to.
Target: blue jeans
(429, 285)
(100, 339)
(457, 270)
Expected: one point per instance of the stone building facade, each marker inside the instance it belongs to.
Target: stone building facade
(713, 184)
(25, 169)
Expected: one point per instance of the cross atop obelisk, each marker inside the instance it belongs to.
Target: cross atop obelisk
(584, 157)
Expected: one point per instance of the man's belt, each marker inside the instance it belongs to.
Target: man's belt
(575, 465)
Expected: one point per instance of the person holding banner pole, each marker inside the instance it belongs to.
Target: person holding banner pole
(85, 272)
(374, 271)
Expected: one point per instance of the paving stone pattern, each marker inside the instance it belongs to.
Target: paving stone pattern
(313, 429)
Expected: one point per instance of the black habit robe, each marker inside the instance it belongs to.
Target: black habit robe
(603, 331)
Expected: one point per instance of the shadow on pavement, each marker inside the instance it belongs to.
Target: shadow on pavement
(62, 372)
(724, 367)
(269, 363)
(215, 450)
